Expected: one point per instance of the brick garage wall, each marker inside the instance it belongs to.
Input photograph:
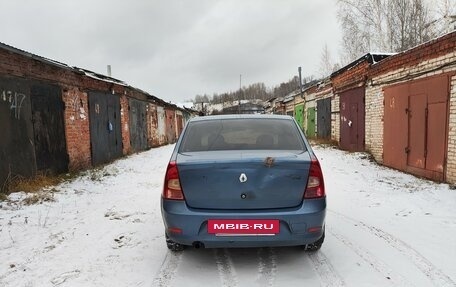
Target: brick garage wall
(125, 124)
(170, 120)
(433, 58)
(298, 99)
(418, 58)
(374, 122)
(350, 78)
(179, 124)
(153, 138)
(77, 128)
(76, 120)
(289, 107)
(75, 86)
(451, 160)
(28, 68)
(375, 113)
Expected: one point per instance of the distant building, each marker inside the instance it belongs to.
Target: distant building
(274, 106)
(244, 108)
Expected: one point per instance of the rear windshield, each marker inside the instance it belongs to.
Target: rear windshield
(242, 134)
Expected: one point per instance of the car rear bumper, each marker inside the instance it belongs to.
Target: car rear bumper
(294, 224)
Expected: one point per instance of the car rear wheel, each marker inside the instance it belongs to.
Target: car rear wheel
(173, 246)
(316, 245)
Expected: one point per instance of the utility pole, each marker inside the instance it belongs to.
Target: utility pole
(202, 112)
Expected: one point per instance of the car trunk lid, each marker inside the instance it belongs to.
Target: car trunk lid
(243, 180)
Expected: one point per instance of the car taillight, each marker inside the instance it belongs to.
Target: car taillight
(172, 188)
(315, 184)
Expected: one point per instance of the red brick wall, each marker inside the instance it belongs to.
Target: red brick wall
(17, 65)
(351, 78)
(77, 128)
(153, 136)
(430, 50)
(170, 125)
(75, 87)
(125, 123)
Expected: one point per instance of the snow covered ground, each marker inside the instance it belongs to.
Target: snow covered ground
(384, 228)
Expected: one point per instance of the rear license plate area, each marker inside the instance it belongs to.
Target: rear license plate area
(243, 227)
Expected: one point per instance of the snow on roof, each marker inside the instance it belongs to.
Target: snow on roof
(186, 105)
(382, 53)
(371, 58)
(288, 98)
(100, 77)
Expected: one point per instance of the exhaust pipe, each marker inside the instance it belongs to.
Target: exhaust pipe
(198, 245)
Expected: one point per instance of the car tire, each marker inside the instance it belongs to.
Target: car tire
(312, 247)
(173, 246)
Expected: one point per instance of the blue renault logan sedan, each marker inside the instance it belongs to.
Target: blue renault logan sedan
(243, 181)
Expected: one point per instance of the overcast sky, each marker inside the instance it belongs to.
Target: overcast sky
(177, 49)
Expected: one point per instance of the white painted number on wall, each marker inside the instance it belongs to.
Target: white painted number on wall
(15, 101)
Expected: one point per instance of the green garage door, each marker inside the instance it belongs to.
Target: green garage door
(310, 132)
(299, 115)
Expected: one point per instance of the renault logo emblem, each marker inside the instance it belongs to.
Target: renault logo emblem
(243, 178)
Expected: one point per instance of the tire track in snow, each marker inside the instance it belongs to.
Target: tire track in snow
(380, 267)
(437, 277)
(225, 268)
(168, 269)
(325, 270)
(267, 266)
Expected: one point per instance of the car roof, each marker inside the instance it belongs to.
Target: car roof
(242, 116)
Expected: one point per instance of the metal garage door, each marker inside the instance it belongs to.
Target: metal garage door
(105, 127)
(49, 128)
(299, 115)
(138, 125)
(310, 132)
(324, 118)
(416, 126)
(17, 155)
(352, 113)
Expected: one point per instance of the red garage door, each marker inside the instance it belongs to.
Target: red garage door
(415, 126)
(352, 124)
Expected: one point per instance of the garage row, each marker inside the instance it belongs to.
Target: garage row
(401, 108)
(57, 118)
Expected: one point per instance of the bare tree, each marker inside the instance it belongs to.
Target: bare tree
(382, 25)
(444, 14)
(361, 21)
(446, 8)
(285, 88)
(327, 65)
(409, 19)
(256, 91)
